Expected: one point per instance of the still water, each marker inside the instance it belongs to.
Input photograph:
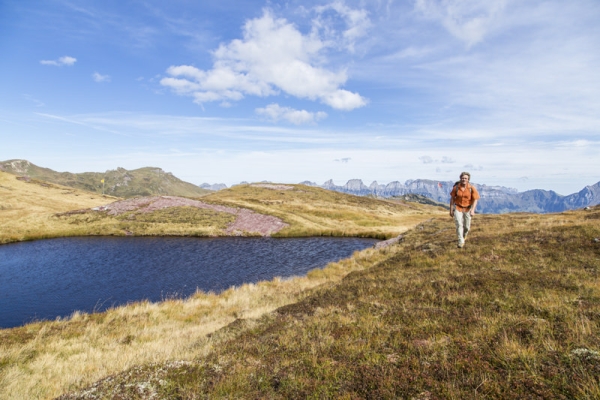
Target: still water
(52, 278)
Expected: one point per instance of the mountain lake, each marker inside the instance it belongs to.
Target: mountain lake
(52, 278)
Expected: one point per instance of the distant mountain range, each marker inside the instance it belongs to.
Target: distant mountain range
(494, 199)
(214, 187)
(149, 181)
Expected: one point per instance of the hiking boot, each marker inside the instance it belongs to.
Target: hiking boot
(460, 245)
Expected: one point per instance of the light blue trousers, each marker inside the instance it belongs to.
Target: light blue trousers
(463, 224)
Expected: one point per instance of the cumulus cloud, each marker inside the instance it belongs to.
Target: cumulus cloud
(426, 159)
(100, 78)
(275, 112)
(272, 57)
(467, 20)
(343, 160)
(447, 160)
(62, 61)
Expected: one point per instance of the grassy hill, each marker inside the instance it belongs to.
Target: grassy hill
(120, 182)
(34, 209)
(27, 207)
(312, 211)
(514, 314)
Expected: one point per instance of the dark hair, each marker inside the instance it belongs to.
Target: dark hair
(465, 173)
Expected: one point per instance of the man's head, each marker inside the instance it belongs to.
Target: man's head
(465, 177)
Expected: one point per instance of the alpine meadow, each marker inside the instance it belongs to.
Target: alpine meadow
(300, 199)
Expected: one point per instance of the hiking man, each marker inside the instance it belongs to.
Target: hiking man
(463, 200)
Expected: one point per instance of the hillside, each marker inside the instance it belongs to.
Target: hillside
(120, 182)
(35, 209)
(513, 315)
(314, 211)
(28, 205)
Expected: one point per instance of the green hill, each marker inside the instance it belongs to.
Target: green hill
(148, 181)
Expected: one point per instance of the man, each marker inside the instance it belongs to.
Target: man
(463, 201)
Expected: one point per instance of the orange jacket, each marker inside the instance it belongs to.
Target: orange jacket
(464, 197)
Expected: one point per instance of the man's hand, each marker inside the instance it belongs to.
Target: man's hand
(451, 212)
(472, 212)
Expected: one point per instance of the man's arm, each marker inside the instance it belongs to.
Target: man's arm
(452, 203)
(473, 207)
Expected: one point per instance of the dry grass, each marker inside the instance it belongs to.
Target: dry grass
(513, 315)
(27, 208)
(36, 210)
(313, 211)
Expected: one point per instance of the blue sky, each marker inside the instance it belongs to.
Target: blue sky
(287, 91)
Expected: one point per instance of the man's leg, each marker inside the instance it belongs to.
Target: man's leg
(459, 221)
(466, 224)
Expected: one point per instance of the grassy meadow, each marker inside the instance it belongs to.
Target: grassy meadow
(312, 211)
(513, 315)
(37, 209)
(44, 359)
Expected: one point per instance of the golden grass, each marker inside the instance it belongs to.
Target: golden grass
(27, 208)
(32, 210)
(515, 314)
(313, 211)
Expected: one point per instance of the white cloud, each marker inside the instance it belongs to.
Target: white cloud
(100, 78)
(272, 57)
(467, 20)
(275, 153)
(444, 160)
(62, 61)
(356, 22)
(275, 112)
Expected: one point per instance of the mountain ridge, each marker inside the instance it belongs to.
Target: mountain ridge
(494, 199)
(147, 181)
(150, 181)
